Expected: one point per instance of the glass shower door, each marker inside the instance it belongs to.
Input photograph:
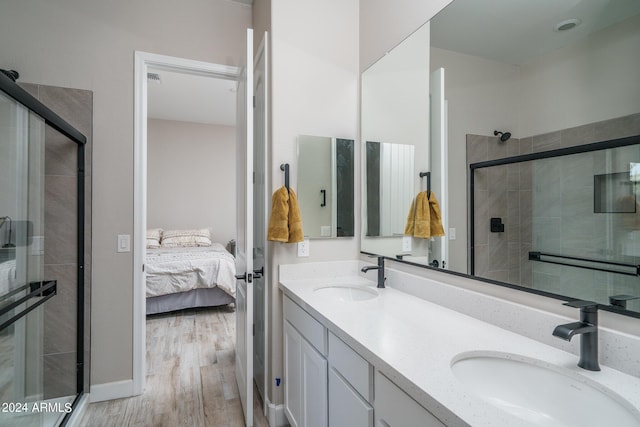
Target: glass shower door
(21, 265)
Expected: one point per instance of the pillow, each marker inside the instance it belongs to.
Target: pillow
(153, 238)
(186, 238)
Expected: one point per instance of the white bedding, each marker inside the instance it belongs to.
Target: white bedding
(7, 276)
(172, 270)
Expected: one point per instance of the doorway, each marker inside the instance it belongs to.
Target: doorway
(144, 64)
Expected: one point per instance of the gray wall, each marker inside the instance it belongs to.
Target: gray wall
(191, 175)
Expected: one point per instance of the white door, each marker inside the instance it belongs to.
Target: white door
(244, 225)
(260, 198)
(439, 154)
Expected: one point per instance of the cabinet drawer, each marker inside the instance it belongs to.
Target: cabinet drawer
(351, 366)
(309, 328)
(346, 406)
(395, 408)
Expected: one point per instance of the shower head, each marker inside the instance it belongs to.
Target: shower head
(12, 74)
(504, 136)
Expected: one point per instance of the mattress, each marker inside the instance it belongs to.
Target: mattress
(173, 270)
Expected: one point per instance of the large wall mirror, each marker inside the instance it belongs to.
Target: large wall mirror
(519, 93)
(325, 186)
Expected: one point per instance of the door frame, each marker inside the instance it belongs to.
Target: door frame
(143, 60)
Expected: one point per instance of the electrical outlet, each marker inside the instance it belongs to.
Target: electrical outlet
(303, 248)
(452, 234)
(406, 243)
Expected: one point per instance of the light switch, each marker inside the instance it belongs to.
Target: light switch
(452, 234)
(124, 243)
(37, 246)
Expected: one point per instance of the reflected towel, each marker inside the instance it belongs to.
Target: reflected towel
(435, 223)
(285, 223)
(424, 219)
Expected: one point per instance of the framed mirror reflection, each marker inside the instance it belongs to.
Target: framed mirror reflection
(326, 186)
(511, 90)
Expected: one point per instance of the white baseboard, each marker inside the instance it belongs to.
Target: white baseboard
(275, 415)
(74, 419)
(110, 391)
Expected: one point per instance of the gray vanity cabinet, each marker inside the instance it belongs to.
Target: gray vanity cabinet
(327, 383)
(305, 368)
(350, 386)
(396, 409)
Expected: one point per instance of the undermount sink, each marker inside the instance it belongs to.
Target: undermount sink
(542, 393)
(347, 292)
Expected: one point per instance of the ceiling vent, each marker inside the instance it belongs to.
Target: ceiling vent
(154, 77)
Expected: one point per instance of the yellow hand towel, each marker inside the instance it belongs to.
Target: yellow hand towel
(295, 219)
(435, 223)
(279, 221)
(424, 219)
(422, 216)
(411, 219)
(285, 223)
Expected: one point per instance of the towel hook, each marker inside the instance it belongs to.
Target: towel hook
(428, 175)
(285, 167)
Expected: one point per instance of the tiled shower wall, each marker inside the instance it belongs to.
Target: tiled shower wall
(502, 192)
(60, 325)
(528, 201)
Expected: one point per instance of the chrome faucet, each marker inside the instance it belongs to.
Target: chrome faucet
(587, 328)
(380, 268)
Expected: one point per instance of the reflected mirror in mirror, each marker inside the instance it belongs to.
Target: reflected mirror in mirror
(389, 187)
(326, 186)
(549, 89)
(395, 146)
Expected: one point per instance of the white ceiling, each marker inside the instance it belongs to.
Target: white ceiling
(516, 31)
(191, 98)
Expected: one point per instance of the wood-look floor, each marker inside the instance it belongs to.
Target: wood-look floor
(190, 376)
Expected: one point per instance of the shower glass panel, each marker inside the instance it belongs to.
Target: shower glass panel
(586, 206)
(571, 223)
(34, 325)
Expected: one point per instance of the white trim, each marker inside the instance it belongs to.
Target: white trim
(78, 413)
(275, 414)
(142, 61)
(110, 391)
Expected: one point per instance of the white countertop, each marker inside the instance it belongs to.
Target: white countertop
(413, 342)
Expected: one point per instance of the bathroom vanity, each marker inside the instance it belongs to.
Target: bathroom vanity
(360, 356)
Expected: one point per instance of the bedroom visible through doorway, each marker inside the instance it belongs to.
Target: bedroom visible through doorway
(191, 191)
(182, 154)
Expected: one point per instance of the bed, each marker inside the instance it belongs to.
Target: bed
(188, 277)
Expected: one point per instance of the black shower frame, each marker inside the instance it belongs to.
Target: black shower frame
(52, 119)
(586, 148)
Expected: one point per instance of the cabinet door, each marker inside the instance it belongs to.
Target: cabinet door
(314, 387)
(292, 375)
(346, 407)
(394, 408)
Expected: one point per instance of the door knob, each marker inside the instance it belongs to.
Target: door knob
(246, 277)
